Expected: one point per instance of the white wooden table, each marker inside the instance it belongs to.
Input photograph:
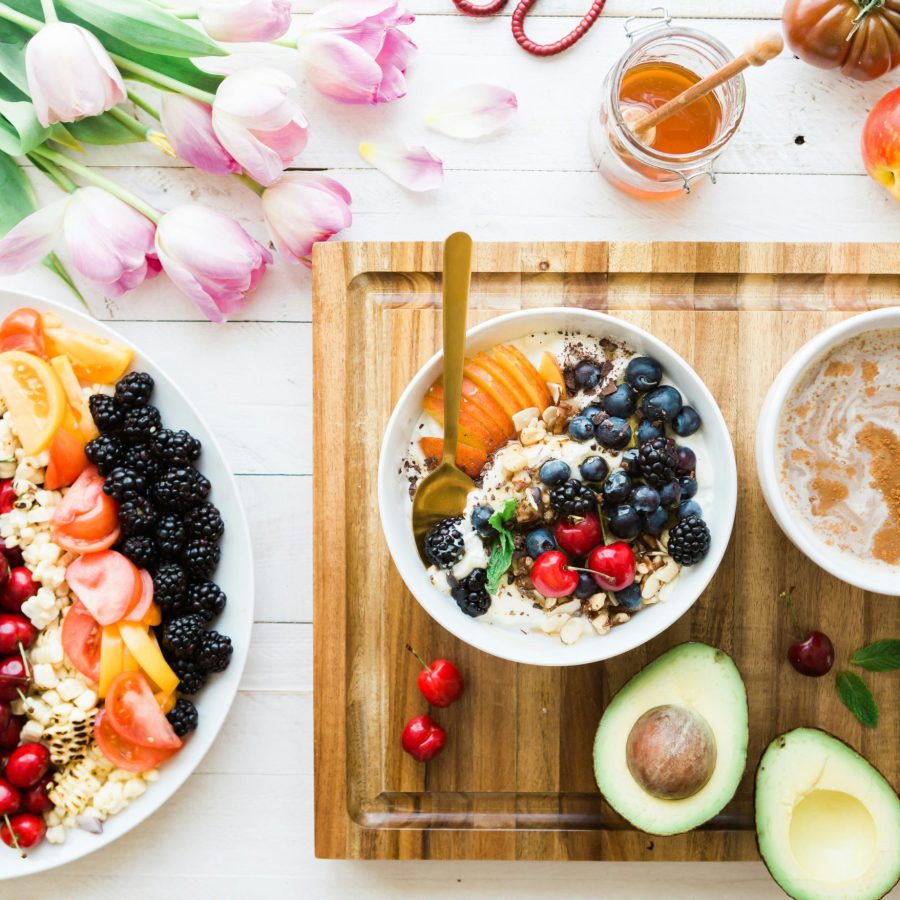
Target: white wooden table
(242, 826)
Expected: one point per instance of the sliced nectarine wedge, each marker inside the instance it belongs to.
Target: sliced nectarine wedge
(471, 430)
(488, 405)
(494, 387)
(469, 459)
(550, 371)
(519, 367)
(512, 385)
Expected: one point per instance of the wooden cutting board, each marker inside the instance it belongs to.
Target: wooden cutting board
(515, 780)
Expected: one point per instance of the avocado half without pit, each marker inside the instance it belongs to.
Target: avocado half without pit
(827, 822)
(672, 745)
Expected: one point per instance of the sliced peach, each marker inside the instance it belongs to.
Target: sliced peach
(469, 459)
(471, 429)
(526, 374)
(490, 384)
(512, 384)
(489, 406)
(550, 371)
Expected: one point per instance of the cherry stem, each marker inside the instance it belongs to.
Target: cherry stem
(24, 659)
(788, 597)
(419, 658)
(589, 571)
(13, 836)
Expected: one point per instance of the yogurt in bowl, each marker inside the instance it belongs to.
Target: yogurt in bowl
(562, 410)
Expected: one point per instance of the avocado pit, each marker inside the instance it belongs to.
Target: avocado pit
(671, 752)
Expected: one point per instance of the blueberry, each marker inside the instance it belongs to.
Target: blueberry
(616, 488)
(539, 541)
(655, 522)
(554, 472)
(591, 411)
(613, 432)
(648, 430)
(645, 498)
(643, 373)
(481, 521)
(670, 494)
(689, 508)
(630, 461)
(587, 587)
(587, 374)
(686, 422)
(621, 402)
(630, 597)
(688, 487)
(581, 429)
(625, 522)
(687, 461)
(594, 468)
(662, 404)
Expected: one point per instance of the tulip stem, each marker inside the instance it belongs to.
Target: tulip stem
(143, 104)
(160, 80)
(290, 43)
(254, 186)
(91, 175)
(130, 122)
(18, 18)
(54, 173)
(49, 11)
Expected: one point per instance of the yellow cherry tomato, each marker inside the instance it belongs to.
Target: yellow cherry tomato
(34, 397)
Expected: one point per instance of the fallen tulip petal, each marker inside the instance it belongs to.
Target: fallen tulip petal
(473, 111)
(415, 168)
(28, 242)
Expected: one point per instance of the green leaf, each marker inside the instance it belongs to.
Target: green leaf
(857, 697)
(13, 39)
(502, 551)
(16, 191)
(881, 656)
(145, 26)
(103, 129)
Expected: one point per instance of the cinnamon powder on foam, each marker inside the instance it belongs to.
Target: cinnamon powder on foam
(884, 448)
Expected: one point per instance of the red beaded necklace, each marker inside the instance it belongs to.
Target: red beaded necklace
(518, 24)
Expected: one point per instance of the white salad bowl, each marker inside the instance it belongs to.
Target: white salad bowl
(842, 565)
(716, 472)
(235, 575)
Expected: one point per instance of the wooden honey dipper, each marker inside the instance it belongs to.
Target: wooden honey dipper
(643, 125)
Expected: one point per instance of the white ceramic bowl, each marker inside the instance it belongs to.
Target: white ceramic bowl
(841, 565)
(234, 574)
(719, 481)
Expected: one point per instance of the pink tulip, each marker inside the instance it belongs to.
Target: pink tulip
(188, 126)
(109, 242)
(245, 20)
(354, 52)
(302, 209)
(210, 257)
(70, 75)
(257, 123)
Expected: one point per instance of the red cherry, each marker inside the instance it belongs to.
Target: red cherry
(14, 677)
(10, 799)
(7, 495)
(35, 799)
(9, 734)
(15, 629)
(27, 765)
(440, 683)
(613, 566)
(28, 829)
(20, 587)
(4, 572)
(578, 537)
(13, 554)
(423, 738)
(550, 575)
(813, 656)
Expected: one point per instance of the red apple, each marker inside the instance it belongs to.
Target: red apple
(881, 142)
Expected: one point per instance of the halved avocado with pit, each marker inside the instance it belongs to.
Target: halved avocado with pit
(827, 822)
(671, 747)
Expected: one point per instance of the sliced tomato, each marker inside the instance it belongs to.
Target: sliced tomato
(135, 715)
(93, 358)
(81, 636)
(23, 330)
(87, 520)
(107, 583)
(141, 607)
(67, 459)
(123, 753)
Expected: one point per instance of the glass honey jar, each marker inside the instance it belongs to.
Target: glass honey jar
(662, 61)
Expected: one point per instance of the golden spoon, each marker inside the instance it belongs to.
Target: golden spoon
(443, 493)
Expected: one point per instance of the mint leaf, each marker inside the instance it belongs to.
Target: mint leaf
(881, 656)
(857, 697)
(502, 551)
(501, 516)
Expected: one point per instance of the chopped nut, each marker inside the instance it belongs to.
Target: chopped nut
(570, 607)
(571, 631)
(553, 623)
(601, 623)
(533, 433)
(620, 618)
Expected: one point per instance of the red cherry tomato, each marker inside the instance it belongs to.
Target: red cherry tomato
(15, 629)
(28, 829)
(27, 765)
(10, 799)
(87, 520)
(7, 495)
(423, 738)
(10, 732)
(440, 683)
(19, 588)
(107, 583)
(23, 330)
(133, 712)
(67, 459)
(14, 677)
(550, 575)
(613, 566)
(579, 537)
(81, 635)
(125, 754)
(36, 799)
(12, 554)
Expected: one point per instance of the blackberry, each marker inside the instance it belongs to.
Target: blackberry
(215, 651)
(169, 585)
(124, 484)
(106, 413)
(205, 521)
(444, 543)
(658, 460)
(142, 458)
(200, 558)
(171, 534)
(471, 595)
(180, 638)
(203, 599)
(181, 488)
(183, 717)
(689, 541)
(105, 452)
(191, 675)
(134, 390)
(141, 550)
(137, 516)
(574, 498)
(141, 424)
(176, 447)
